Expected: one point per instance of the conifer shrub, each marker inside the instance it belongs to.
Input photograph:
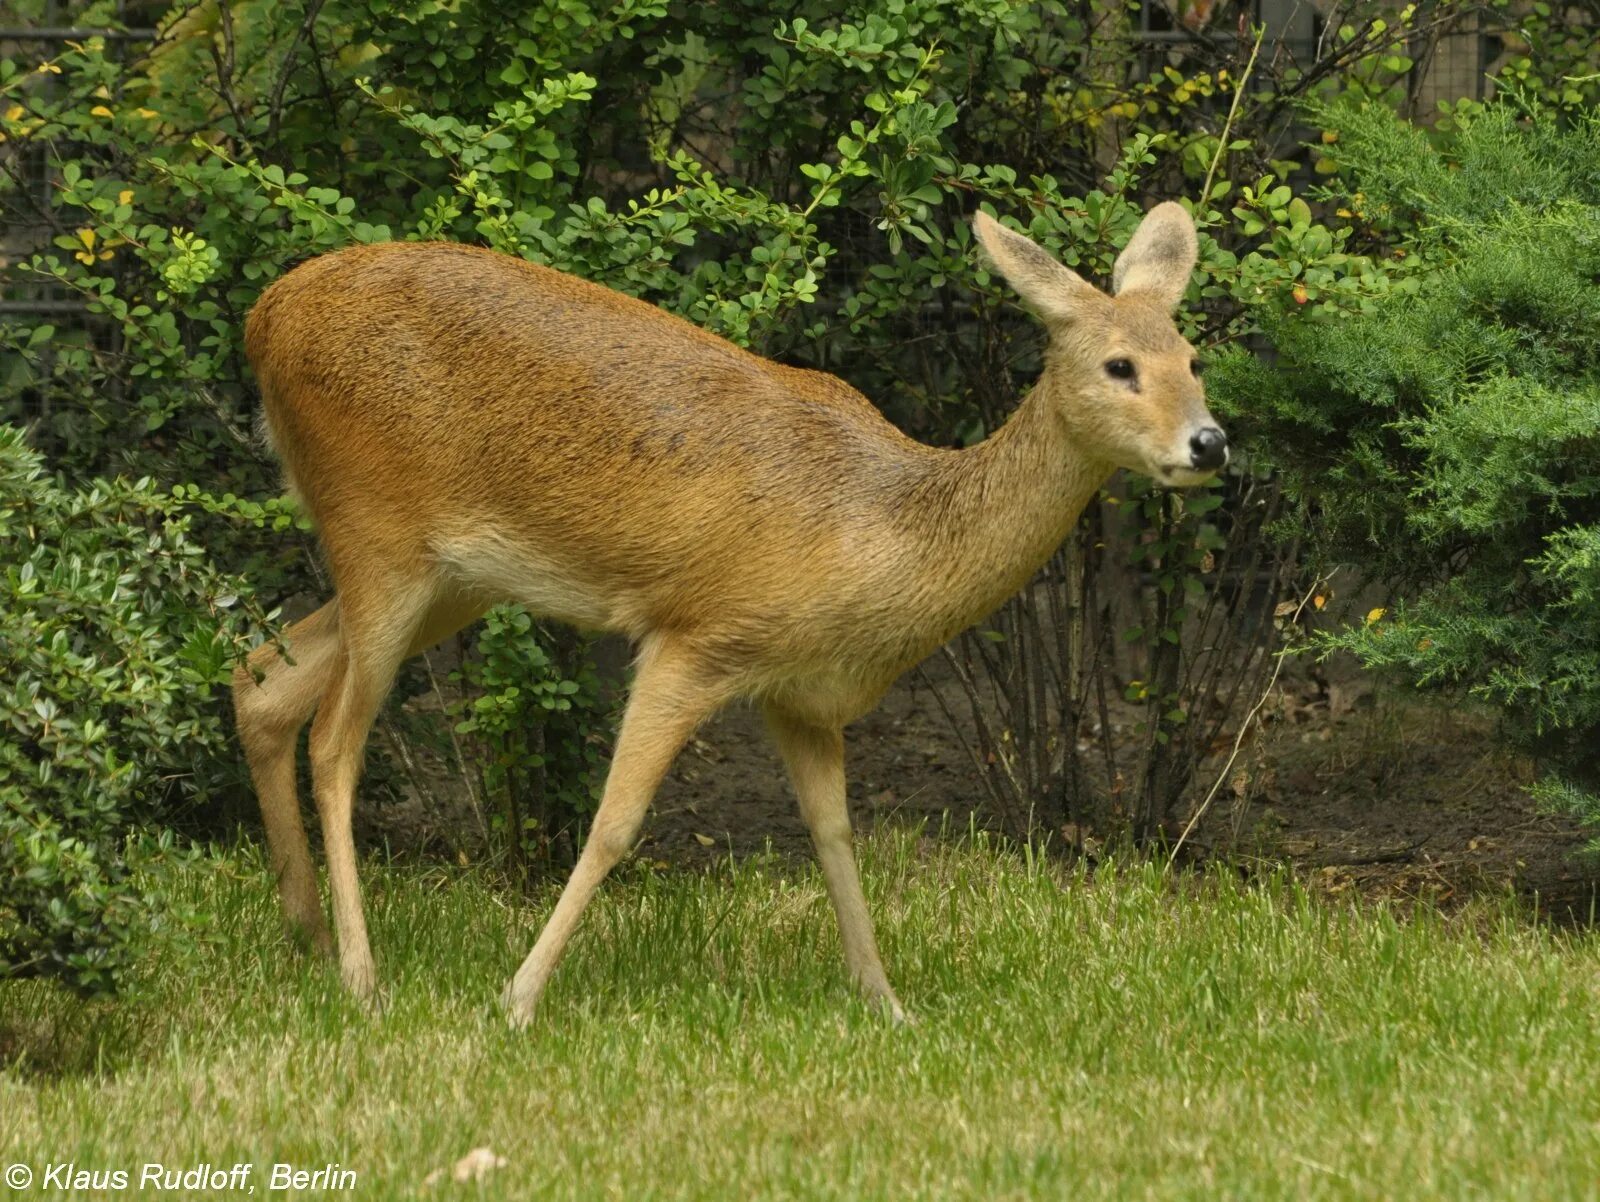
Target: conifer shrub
(1446, 439)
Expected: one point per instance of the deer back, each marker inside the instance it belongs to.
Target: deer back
(542, 437)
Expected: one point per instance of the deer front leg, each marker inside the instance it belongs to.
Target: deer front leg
(814, 756)
(671, 696)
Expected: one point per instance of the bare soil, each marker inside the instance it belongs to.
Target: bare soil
(1381, 796)
(1395, 798)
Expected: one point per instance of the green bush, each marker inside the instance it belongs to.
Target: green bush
(798, 181)
(534, 712)
(114, 630)
(1447, 440)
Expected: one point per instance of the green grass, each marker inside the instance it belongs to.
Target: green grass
(1113, 1036)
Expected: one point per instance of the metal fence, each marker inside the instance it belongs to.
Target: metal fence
(28, 166)
(1449, 64)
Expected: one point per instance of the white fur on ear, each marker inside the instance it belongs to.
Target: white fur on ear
(1160, 257)
(1052, 290)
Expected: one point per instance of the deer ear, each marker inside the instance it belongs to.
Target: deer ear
(1053, 291)
(1160, 257)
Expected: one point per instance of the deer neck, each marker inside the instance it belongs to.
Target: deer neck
(1001, 508)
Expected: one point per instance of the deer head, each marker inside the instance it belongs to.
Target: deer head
(1121, 378)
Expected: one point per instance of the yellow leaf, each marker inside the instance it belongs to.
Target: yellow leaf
(125, 197)
(1373, 615)
(87, 237)
(49, 69)
(704, 840)
(1319, 601)
(14, 113)
(145, 113)
(101, 110)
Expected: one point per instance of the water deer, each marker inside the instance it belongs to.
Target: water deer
(466, 429)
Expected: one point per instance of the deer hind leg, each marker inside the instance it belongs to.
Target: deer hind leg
(671, 696)
(814, 756)
(269, 717)
(381, 624)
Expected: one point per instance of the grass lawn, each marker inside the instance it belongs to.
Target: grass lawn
(1106, 1036)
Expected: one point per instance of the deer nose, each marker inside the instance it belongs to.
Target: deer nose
(1208, 450)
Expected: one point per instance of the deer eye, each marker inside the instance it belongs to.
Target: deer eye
(1120, 369)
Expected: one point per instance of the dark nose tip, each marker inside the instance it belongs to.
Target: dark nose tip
(1208, 450)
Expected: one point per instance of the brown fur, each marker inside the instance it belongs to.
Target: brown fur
(468, 428)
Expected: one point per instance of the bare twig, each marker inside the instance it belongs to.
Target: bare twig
(455, 743)
(225, 61)
(1233, 111)
(275, 106)
(1244, 728)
